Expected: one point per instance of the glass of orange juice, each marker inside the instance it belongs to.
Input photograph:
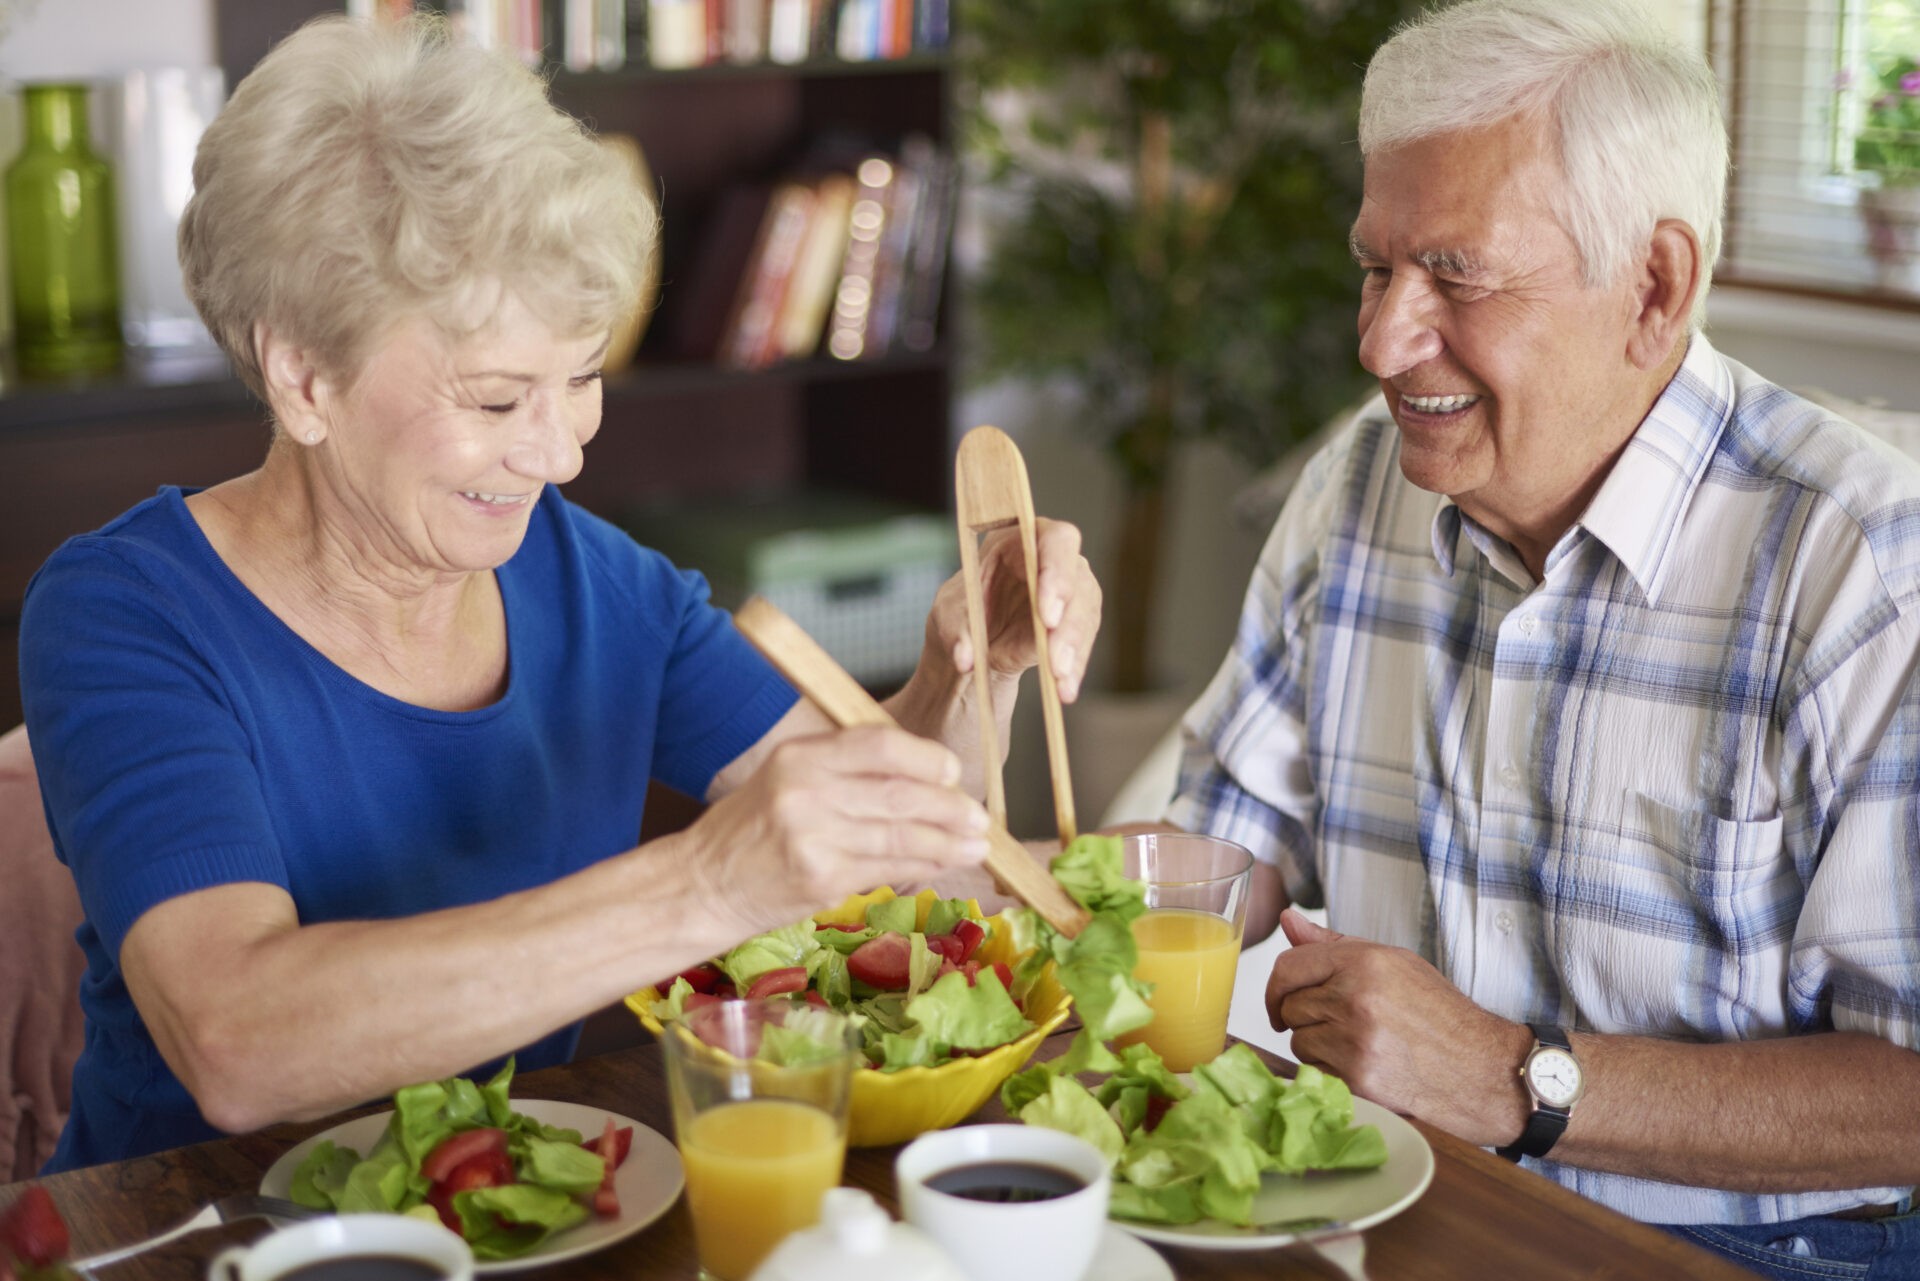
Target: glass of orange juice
(1189, 940)
(760, 1092)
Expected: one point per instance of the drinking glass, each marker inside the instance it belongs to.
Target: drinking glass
(761, 1141)
(1189, 940)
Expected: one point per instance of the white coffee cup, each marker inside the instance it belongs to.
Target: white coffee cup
(346, 1237)
(1052, 1240)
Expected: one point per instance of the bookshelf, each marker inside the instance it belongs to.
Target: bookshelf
(672, 428)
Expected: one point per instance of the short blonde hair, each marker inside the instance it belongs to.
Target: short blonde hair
(361, 174)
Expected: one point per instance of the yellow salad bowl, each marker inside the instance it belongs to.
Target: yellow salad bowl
(892, 1107)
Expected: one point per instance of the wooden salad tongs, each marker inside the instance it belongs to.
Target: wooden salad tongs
(990, 491)
(814, 673)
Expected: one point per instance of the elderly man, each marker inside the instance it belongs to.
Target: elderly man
(1578, 678)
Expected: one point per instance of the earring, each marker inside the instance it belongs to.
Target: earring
(313, 438)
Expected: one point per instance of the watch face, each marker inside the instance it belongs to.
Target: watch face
(1555, 1076)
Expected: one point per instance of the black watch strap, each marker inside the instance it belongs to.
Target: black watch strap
(1546, 1123)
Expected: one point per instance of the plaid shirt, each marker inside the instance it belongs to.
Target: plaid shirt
(1671, 789)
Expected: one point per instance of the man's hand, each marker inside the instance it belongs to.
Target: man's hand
(1388, 1024)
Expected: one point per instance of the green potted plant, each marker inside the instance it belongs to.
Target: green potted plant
(1185, 174)
(1888, 148)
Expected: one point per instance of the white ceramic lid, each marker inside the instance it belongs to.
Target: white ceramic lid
(855, 1240)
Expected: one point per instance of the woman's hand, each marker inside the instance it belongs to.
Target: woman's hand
(829, 815)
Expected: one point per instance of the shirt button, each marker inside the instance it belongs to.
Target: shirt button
(1503, 921)
(1510, 775)
(1528, 624)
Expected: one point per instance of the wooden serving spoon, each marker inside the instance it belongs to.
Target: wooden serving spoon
(814, 673)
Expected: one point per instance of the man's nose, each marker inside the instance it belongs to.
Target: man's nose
(1402, 331)
(548, 448)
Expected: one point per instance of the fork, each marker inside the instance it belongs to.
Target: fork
(226, 1210)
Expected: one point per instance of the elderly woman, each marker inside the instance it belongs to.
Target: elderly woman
(347, 755)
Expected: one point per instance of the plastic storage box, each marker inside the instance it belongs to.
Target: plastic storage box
(858, 575)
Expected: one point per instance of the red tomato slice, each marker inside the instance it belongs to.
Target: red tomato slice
(1005, 974)
(702, 978)
(623, 1144)
(847, 929)
(970, 969)
(814, 998)
(482, 1170)
(945, 945)
(882, 962)
(33, 1229)
(774, 982)
(456, 1149)
(606, 1200)
(1156, 1108)
(969, 934)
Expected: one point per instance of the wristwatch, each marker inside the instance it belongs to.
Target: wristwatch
(1553, 1077)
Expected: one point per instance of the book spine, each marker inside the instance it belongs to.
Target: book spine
(847, 330)
(577, 35)
(789, 31)
(752, 341)
(676, 33)
(927, 266)
(889, 264)
(803, 314)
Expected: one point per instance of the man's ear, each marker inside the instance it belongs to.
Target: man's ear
(1669, 277)
(296, 391)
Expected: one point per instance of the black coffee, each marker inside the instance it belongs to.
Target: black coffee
(1007, 1181)
(367, 1267)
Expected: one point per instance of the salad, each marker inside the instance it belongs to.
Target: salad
(458, 1154)
(33, 1238)
(1181, 1153)
(912, 974)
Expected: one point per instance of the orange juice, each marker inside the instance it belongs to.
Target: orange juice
(756, 1170)
(1189, 957)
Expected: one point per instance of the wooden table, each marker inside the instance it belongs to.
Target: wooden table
(1482, 1217)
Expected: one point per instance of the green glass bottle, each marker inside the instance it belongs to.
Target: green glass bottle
(61, 240)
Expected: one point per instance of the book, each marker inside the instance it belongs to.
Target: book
(803, 313)
(745, 30)
(789, 31)
(751, 340)
(853, 298)
(676, 33)
(926, 270)
(890, 259)
(697, 307)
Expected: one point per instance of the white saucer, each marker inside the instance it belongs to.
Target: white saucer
(1124, 1257)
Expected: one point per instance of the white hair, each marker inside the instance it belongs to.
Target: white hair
(360, 175)
(1636, 114)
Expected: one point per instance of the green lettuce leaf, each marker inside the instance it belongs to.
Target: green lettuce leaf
(845, 941)
(1067, 1106)
(1140, 1066)
(499, 1109)
(378, 1184)
(1174, 1203)
(321, 1177)
(775, 950)
(1200, 1138)
(564, 1167)
(827, 971)
(674, 1004)
(923, 965)
(907, 1049)
(1090, 869)
(1024, 1087)
(976, 1017)
(1312, 1127)
(945, 914)
(500, 1223)
(897, 914)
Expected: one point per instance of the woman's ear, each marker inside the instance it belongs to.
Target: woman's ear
(296, 393)
(1670, 276)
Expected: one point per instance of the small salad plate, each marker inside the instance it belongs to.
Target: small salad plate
(1291, 1206)
(649, 1181)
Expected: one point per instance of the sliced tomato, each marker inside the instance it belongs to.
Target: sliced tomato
(622, 1144)
(845, 929)
(969, 934)
(1004, 973)
(703, 978)
(726, 991)
(883, 962)
(1157, 1106)
(814, 998)
(482, 1170)
(971, 969)
(33, 1229)
(699, 999)
(774, 982)
(606, 1199)
(944, 945)
(456, 1149)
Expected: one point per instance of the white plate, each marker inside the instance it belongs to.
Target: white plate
(649, 1181)
(1121, 1258)
(1357, 1198)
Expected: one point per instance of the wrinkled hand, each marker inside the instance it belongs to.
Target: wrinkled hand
(831, 815)
(1397, 1032)
(1069, 606)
